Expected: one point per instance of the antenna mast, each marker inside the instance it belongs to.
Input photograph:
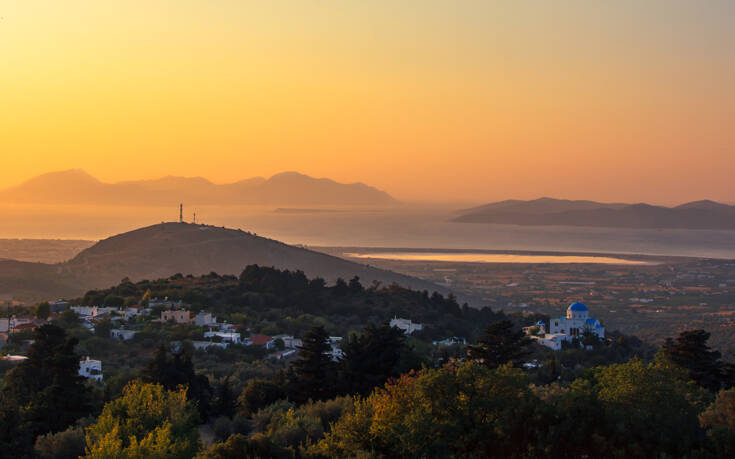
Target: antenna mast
(181, 213)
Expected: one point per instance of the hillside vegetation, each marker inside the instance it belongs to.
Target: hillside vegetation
(168, 248)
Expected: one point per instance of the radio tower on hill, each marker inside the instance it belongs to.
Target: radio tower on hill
(181, 213)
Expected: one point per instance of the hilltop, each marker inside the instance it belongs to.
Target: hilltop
(165, 249)
(558, 212)
(288, 188)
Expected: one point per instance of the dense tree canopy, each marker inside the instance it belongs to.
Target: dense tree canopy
(178, 371)
(146, 421)
(314, 372)
(371, 358)
(503, 342)
(46, 388)
(691, 352)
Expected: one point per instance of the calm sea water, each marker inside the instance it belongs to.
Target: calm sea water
(469, 257)
(405, 228)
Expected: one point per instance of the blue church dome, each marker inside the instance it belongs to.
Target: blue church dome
(540, 322)
(577, 307)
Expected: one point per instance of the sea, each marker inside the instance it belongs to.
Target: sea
(405, 227)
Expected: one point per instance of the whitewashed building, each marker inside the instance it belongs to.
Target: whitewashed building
(91, 369)
(205, 319)
(230, 337)
(207, 344)
(406, 325)
(289, 342)
(574, 325)
(92, 311)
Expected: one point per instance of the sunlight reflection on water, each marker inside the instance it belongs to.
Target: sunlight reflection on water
(496, 258)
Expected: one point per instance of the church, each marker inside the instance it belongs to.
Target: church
(574, 325)
(576, 322)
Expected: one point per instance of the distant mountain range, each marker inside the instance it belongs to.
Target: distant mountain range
(554, 212)
(288, 188)
(168, 248)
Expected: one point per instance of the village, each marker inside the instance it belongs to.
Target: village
(122, 324)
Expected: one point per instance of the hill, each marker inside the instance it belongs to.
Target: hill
(556, 212)
(288, 188)
(168, 248)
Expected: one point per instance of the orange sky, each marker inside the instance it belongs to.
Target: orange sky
(628, 100)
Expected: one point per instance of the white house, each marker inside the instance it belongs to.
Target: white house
(135, 310)
(58, 305)
(283, 354)
(91, 369)
(208, 344)
(335, 352)
(406, 325)
(205, 319)
(230, 337)
(289, 342)
(92, 310)
(451, 341)
(122, 335)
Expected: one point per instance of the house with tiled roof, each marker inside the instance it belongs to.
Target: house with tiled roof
(261, 340)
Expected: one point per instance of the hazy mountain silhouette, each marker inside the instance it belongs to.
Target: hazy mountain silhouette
(548, 212)
(169, 248)
(289, 188)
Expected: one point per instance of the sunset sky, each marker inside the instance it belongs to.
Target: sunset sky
(471, 100)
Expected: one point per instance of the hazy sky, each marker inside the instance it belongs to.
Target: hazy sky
(623, 100)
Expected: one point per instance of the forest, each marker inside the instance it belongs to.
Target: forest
(388, 395)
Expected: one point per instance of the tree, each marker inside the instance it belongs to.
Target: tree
(464, 411)
(47, 386)
(146, 421)
(635, 409)
(371, 358)
(146, 298)
(314, 371)
(13, 438)
(68, 444)
(225, 400)
(114, 301)
(502, 343)
(690, 351)
(69, 318)
(178, 370)
(258, 394)
(103, 327)
(719, 420)
(43, 310)
(239, 446)
(355, 286)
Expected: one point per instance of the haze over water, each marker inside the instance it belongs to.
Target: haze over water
(409, 227)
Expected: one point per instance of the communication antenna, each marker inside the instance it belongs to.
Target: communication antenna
(181, 213)
(195, 218)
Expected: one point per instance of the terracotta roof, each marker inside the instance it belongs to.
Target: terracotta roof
(26, 326)
(260, 340)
